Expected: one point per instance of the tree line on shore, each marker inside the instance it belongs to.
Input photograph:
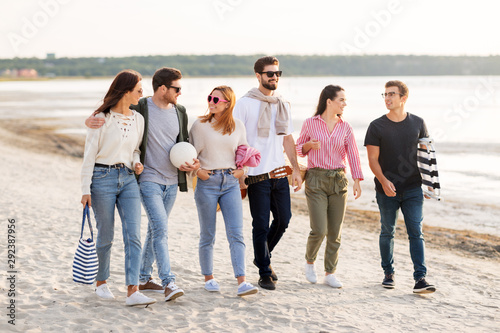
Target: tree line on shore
(233, 65)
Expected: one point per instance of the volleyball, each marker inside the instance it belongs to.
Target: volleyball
(181, 153)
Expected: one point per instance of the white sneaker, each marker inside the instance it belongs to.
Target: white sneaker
(212, 285)
(103, 292)
(311, 273)
(139, 298)
(246, 288)
(332, 281)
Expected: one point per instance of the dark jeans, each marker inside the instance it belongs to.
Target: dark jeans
(411, 204)
(272, 195)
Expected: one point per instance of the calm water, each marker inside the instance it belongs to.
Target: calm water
(462, 114)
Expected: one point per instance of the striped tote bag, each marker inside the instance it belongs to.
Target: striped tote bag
(85, 263)
(427, 165)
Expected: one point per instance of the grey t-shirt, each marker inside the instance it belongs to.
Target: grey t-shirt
(162, 135)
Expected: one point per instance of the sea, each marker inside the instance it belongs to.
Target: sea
(462, 114)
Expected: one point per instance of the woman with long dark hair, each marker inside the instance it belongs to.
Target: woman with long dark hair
(111, 157)
(216, 137)
(328, 142)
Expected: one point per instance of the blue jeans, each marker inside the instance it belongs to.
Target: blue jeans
(158, 201)
(109, 188)
(224, 189)
(411, 204)
(272, 195)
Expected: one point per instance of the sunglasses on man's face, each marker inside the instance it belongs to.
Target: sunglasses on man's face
(215, 99)
(270, 74)
(177, 89)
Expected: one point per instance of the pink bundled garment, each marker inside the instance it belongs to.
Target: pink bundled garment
(247, 156)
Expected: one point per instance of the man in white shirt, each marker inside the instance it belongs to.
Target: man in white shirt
(269, 127)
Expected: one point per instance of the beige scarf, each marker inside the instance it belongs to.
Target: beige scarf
(264, 123)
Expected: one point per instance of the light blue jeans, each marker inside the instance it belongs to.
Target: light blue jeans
(411, 203)
(158, 201)
(224, 189)
(117, 187)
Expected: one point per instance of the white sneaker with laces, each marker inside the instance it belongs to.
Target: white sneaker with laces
(311, 273)
(246, 288)
(212, 285)
(332, 281)
(103, 291)
(139, 298)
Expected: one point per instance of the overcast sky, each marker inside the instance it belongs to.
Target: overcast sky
(87, 28)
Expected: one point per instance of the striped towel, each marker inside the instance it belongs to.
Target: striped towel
(427, 165)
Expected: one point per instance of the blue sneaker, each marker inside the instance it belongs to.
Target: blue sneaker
(212, 285)
(246, 288)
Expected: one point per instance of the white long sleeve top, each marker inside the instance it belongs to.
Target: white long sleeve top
(216, 151)
(117, 141)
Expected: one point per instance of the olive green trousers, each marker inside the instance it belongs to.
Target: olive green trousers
(326, 193)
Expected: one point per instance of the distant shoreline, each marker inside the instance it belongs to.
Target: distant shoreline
(9, 79)
(242, 65)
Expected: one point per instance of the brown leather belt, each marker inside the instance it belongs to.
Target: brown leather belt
(279, 172)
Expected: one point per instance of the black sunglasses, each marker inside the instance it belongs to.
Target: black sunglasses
(177, 89)
(271, 73)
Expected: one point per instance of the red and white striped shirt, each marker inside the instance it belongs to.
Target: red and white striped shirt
(335, 146)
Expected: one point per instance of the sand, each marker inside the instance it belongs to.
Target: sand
(41, 191)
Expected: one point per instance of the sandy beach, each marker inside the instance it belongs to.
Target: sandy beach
(41, 193)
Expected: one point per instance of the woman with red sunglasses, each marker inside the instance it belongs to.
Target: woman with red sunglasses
(216, 137)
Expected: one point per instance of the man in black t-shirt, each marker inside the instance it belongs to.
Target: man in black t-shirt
(391, 142)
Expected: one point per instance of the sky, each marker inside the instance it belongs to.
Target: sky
(116, 28)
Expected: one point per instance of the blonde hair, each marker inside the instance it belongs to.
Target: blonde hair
(225, 124)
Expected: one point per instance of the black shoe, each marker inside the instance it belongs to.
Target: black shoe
(267, 282)
(422, 287)
(273, 274)
(389, 282)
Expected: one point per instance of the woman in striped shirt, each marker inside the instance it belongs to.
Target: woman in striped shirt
(328, 142)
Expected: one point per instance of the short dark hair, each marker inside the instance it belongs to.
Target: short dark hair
(329, 92)
(403, 88)
(263, 62)
(165, 76)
